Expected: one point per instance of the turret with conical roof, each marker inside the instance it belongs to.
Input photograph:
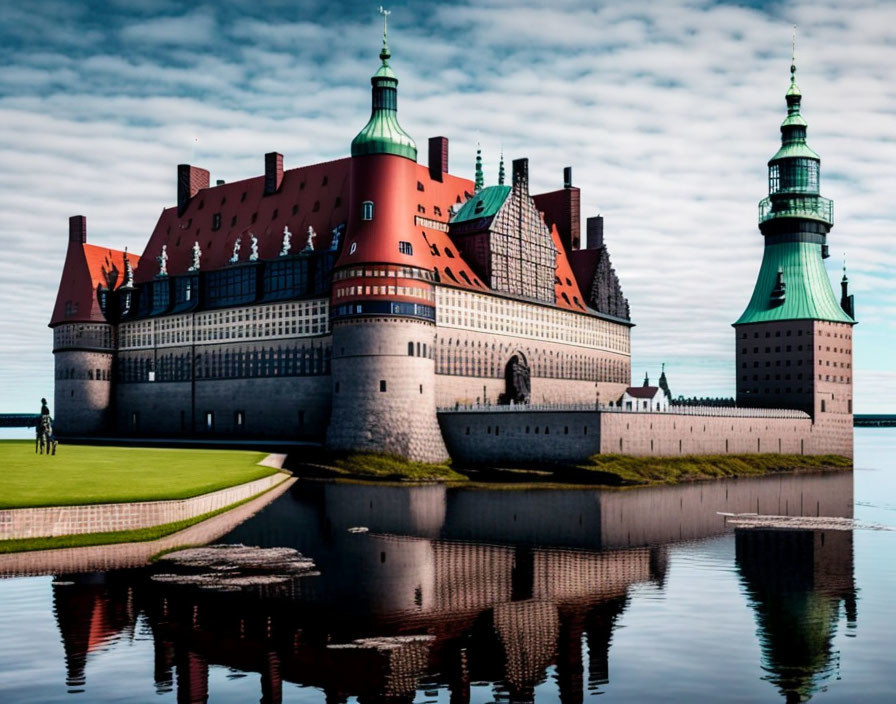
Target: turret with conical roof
(382, 134)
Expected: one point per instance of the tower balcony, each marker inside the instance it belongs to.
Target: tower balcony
(812, 207)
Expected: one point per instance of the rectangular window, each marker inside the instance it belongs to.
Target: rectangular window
(405, 248)
(382, 384)
(367, 210)
(209, 421)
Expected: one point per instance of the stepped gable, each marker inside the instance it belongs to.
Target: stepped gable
(314, 195)
(595, 274)
(474, 221)
(87, 267)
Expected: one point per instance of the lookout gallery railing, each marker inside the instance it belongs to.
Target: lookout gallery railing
(815, 207)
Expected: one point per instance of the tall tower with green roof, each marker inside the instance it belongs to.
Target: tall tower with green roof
(794, 340)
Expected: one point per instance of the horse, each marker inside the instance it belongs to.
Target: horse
(44, 437)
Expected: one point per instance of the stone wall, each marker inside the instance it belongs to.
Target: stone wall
(83, 392)
(384, 389)
(670, 434)
(291, 407)
(104, 518)
(573, 435)
(522, 436)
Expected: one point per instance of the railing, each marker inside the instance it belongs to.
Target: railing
(716, 411)
(814, 207)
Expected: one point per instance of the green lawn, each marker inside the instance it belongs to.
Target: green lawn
(81, 474)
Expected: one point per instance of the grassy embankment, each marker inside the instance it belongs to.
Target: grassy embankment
(80, 474)
(602, 470)
(624, 470)
(368, 465)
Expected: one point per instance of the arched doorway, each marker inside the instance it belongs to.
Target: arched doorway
(517, 381)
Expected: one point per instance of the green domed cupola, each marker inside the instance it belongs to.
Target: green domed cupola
(382, 134)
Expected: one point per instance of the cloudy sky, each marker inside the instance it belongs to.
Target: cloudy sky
(667, 112)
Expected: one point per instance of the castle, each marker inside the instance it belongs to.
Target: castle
(427, 315)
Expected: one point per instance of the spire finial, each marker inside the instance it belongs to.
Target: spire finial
(844, 267)
(480, 180)
(501, 169)
(385, 54)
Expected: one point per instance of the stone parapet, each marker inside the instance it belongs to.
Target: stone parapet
(53, 521)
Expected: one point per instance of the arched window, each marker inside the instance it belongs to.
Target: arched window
(367, 210)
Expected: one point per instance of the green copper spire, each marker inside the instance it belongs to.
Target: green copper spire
(480, 179)
(382, 134)
(501, 170)
(793, 283)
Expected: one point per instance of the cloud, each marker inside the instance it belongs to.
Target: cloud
(667, 112)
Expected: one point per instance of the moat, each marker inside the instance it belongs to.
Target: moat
(435, 594)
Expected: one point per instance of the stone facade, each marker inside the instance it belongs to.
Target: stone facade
(384, 389)
(84, 356)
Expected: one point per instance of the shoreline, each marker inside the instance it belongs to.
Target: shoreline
(604, 471)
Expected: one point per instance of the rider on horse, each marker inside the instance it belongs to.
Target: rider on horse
(45, 435)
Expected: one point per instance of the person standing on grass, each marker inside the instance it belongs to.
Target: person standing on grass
(44, 409)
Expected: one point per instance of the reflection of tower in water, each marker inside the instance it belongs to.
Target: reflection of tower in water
(90, 614)
(796, 581)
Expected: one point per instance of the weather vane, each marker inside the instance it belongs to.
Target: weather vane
(793, 52)
(385, 13)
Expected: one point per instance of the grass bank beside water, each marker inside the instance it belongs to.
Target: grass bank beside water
(599, 470)
(83, 474)
(369, 465)
(625, 470)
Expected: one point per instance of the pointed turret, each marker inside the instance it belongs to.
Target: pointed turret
(382, 134)
(480, 179)
(664, 383)
(847, 300)
(501, 170)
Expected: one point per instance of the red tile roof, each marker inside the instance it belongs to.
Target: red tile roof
(642, 391)
(315, 196)
(87, 266)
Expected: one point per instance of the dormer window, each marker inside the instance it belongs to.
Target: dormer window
(405, 248)
(367, 210)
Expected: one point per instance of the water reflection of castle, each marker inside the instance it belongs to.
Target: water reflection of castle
(453, 587)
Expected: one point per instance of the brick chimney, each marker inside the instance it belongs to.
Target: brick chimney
(438, 157)
(77, 229)
(563, 209)
(190, 180)
(521, 175)
(595, 232)
(273, 172)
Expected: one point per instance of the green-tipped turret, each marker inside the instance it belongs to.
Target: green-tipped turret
(382, 134)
